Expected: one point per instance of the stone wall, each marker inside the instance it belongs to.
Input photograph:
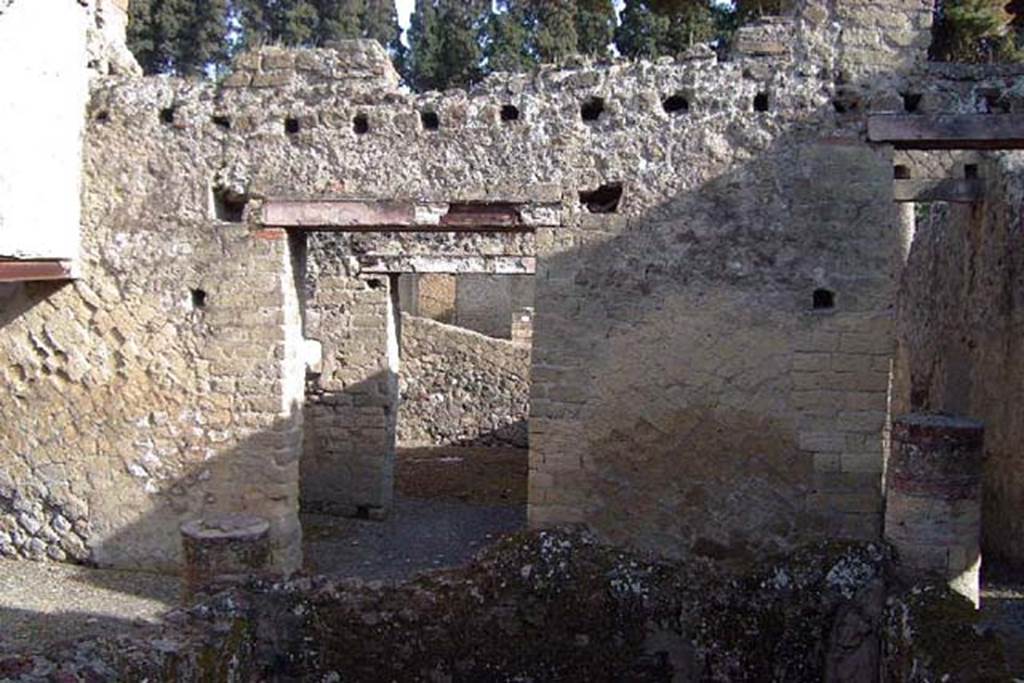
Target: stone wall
(485, 303)
(163, 384)
(711, 356)
(351, 404)
(960, 326)
(352, 286)
(462, 388)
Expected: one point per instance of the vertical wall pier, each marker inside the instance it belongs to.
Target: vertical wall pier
(226, 547)
(933, 512)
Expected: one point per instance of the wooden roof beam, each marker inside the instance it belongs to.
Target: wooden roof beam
(953, 190)
(948, 131)
(361, 216)
(36, 270)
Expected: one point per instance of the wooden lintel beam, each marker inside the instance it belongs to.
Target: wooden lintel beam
(454, 265)
(953, 190)
(35, 270)
(948, 131)
(365, 216)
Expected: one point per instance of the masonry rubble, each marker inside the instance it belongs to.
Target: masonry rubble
(712, 351)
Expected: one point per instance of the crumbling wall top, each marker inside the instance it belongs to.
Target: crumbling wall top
(358, 62)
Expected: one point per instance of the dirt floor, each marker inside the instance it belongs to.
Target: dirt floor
(45, 603)
(1002, 610)
(449, 503)
(482, 476)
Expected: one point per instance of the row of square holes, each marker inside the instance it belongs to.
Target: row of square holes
(590, 111)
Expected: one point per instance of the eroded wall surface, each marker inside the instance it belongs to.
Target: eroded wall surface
(961, 325)
(460, 387)
(686, 394)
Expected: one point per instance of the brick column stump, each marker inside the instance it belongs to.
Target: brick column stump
(224, 547)
(933, 499)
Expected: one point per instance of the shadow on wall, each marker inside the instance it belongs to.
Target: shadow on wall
(347, 464)
(686, 395)
(961, 299)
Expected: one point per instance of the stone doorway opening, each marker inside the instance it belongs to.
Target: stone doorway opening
(415, 423)
(464, 342)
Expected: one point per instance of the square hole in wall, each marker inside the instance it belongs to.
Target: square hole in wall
(605, 199)
(592, 109)
(761, 102)
(676, 104)
(911, 102)
(970, 171)
(901, 172)
(361, 124)
(823, 299)
(167, 115)
(509, 112)
(228, 205)
(430, 120)
(220, 121)
(292, 125)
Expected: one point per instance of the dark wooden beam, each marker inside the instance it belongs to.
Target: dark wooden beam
(948, 131)
(35, 270)
(366, 216)
(953, 190)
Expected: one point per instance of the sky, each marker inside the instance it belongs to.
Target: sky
(405, 9)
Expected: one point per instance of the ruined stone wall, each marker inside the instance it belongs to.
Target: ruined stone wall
(351, 286)
(487, 304)
(352, 401)
(686, 396)
(960, 326)
(460, 387)
(162, 384)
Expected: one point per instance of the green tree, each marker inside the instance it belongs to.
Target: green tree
(595, 27)
(749, 9)
(445, 43)
(379, 21)
(689, 22)
(522, 33)
(973, 31)
(638, 36)
(508, 43)
(554, 29)
(653, 28)
(182, 37)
